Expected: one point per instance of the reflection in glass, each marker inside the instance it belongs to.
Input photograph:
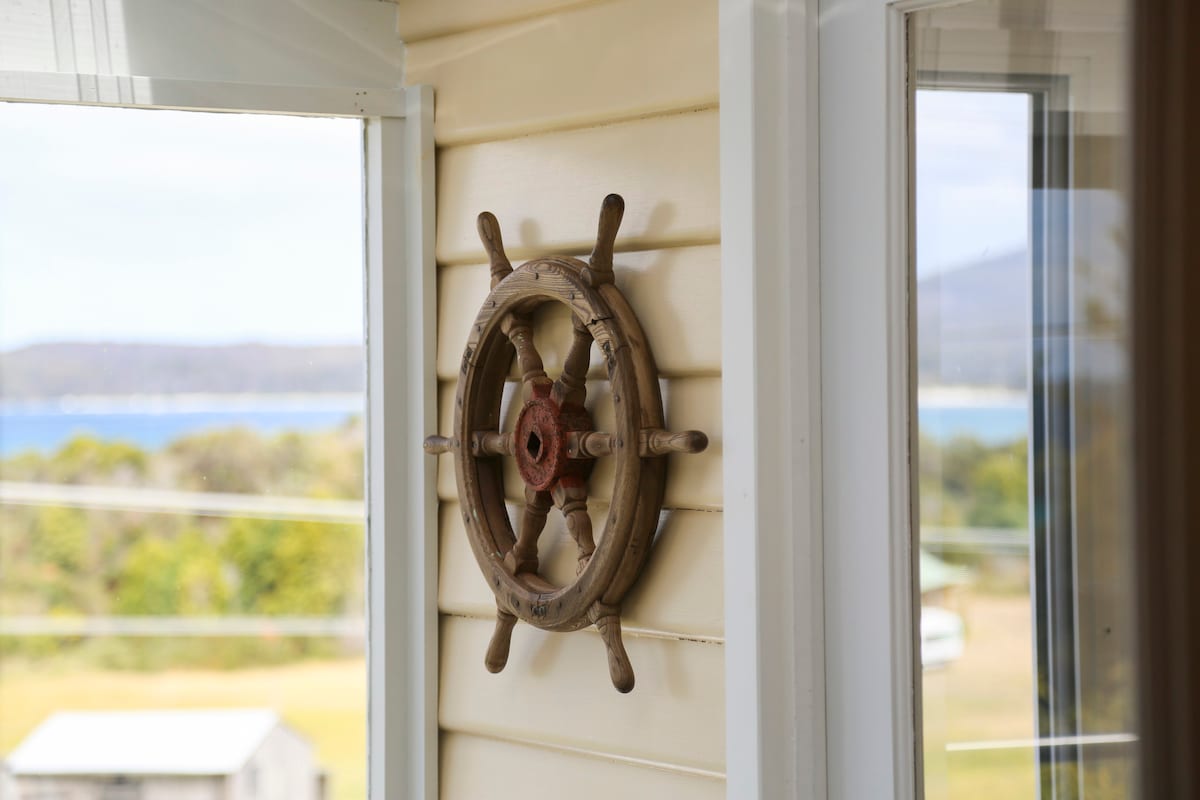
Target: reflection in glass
(1020, 476)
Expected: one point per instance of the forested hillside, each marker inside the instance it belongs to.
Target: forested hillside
(74, 368)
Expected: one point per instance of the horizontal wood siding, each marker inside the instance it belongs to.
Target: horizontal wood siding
(546, 189)
(581, 67)
(479, 767)
(684, 343)
(679, 594)
(543, 108)
(555, 689)
(417, 20)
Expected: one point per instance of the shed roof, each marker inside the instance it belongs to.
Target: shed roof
(193, 742)
(937, 574)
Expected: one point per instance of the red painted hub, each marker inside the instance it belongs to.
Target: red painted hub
(541, 440)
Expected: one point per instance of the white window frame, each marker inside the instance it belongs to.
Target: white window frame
(770, 385)
(821, 696)
(401, 562)
(872, 645)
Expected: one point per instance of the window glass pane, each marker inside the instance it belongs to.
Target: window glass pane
(1020, 472)
(181, 453)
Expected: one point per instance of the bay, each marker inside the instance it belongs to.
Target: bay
(152, 423)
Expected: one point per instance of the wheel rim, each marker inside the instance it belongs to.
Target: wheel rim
(477, 407)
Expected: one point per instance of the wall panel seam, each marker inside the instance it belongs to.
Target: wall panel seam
(618, 249)
(628, 630)
(713, 509)
(678, 374)
(665, 766)
(518, 254)
(456, 30)
(502, 135)
(608, 122)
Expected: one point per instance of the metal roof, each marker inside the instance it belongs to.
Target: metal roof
(937, 574)
(191, 742)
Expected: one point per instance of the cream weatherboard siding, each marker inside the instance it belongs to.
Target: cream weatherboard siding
(542, 108)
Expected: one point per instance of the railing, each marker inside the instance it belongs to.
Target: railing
(168, 501)
(185, 627)
(992, 541)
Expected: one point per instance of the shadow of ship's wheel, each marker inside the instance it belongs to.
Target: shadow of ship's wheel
(555, 443)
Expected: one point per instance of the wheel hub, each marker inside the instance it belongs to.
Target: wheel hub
(541, 440)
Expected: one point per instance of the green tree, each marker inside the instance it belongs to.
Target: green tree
(287, 567)
(999, 486)
(172, 576)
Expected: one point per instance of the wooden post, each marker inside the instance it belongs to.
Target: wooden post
(1166, 368)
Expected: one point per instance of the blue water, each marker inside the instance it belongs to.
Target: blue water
(989, 424)
(46, 431)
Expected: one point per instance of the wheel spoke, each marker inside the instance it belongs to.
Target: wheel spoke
(572, 501)
(589, 444)
(651, 442)
(497, 652)
(491, 443)
(524, 555)
(571, 386)
(608, 622)
(529, 361)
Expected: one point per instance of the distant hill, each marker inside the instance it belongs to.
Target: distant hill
(75, 368)
(974, 324)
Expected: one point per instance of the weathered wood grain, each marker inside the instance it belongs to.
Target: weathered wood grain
(693, 481)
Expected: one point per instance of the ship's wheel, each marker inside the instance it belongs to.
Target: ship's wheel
(555, 443)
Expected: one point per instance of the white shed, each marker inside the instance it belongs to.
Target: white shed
(235, 754)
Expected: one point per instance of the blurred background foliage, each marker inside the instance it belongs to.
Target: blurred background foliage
(85, 562)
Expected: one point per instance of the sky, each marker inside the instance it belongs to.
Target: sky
(186, 227)
(973, 177)
(181, 227)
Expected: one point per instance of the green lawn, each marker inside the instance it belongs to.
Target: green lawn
(984, 696)
(326, 701)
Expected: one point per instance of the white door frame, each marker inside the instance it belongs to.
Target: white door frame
(820, 597)
(771, 367)
(872, 646)
(400, 333)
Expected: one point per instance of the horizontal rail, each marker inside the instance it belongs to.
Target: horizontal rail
(1048, 741)
(987, 540)
(257, 626)
(167, 501)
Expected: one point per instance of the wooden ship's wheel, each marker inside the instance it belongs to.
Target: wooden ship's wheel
(555, 443)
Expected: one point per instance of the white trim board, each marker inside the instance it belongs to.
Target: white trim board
(145, 92)
(401, 500)
(774, 618)
(819, 591)
(872, 649)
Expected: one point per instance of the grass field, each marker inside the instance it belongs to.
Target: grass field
(326, 701)
(984, 696)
